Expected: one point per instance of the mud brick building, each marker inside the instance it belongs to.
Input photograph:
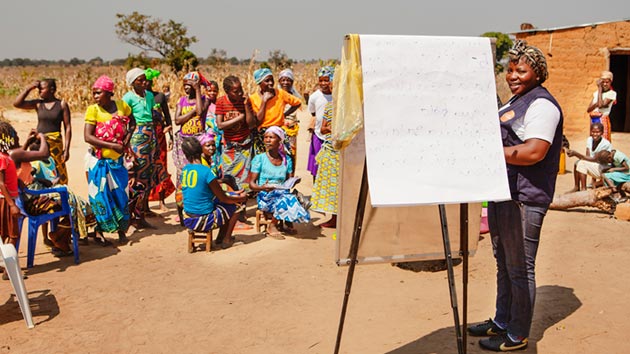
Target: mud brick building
(576, 55)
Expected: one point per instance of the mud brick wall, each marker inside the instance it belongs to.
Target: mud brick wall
(575, 58)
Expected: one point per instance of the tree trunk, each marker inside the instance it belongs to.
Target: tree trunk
(598, 198)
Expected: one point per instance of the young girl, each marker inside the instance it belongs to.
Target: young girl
(200, 187)
(269, 170)
(9, 211)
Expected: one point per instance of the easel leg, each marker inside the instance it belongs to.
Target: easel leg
(463, 244)
(451, 277)
(354, 249)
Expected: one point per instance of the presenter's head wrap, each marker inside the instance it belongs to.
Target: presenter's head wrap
(327, 71)
(607, 75)
(532, 56)
(132, 75)
(286, 73)
(151, 74)
(279, 132)
(104, 83)
(261, 74)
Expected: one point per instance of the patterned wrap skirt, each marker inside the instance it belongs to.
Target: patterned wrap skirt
(55, 144)
(236, 160)
(164, 185)
(283, 205)
(324, 196)
(107, 189)
(204, 223)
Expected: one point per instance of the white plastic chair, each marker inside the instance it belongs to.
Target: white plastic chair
(9, 259)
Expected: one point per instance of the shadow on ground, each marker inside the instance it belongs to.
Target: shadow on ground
(553, 304)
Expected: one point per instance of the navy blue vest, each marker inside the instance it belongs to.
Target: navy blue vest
(535, 183)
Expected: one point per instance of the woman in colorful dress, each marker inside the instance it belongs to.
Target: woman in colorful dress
(236, 120)
(316, 105)
(269, 105)
(51, 114)
(601, 104)
(190, 116)
(163, 127)
(291, 126)
(324, 197)
(269, 170)
(108, 127)
(141, 178)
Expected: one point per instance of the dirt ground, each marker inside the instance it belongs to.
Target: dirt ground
(270, 296)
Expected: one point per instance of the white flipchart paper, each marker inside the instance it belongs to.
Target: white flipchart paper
(432, 131)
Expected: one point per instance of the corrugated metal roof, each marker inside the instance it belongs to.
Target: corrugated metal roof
(569, 27)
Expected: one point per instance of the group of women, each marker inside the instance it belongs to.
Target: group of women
(249, 142)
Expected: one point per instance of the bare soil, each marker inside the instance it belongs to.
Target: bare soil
(271, 296)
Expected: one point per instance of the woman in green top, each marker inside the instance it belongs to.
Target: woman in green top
(142, 144)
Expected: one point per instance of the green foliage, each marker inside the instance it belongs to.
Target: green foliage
(217, 57)
(168, 39)
(137, 61)
(503, 45)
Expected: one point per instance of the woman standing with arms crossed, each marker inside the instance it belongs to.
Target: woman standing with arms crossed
(531, 128)
(51, 114)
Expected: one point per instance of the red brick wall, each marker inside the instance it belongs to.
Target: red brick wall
(575, 59)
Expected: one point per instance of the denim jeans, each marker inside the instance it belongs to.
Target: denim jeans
(515, 231)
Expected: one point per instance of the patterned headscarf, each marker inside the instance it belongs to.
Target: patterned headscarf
(196, 76)
(261, 74)
(208, 136)
(132, 75)
(280, 134)
(151, 74)
(104, 83)
(533, 57)
(8, 137)
(286, 73)
(328, 71)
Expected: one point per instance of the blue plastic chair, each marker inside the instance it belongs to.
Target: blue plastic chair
(35, 221)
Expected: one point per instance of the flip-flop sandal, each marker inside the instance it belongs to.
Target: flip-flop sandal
(275, 235)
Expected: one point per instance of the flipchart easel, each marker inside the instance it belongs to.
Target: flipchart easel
(374, 206)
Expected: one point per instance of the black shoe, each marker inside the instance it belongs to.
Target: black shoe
(484, 329)
(502, 343)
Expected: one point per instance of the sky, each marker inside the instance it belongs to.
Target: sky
(85, 29)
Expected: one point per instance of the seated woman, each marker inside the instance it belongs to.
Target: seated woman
(45, 176)
(200, 187)
(587, 165)
(269, 170)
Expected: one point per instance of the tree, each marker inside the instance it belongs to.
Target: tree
(168, 39)
(279, 59)
(503, 44)
(217, 57)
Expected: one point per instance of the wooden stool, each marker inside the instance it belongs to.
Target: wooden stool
(260, 220)
(192, 239)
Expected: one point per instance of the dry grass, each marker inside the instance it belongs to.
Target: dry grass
(74, 83)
